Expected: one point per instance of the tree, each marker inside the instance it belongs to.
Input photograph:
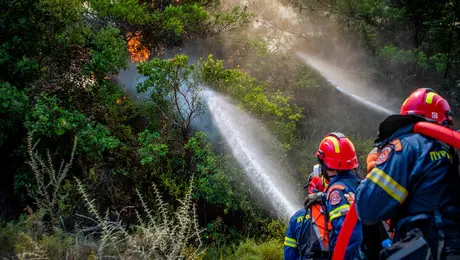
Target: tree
(34, 34)
(174, 91)
(108, 54)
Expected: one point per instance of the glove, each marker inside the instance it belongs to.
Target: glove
(313, 198)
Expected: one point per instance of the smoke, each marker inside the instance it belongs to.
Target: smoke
(128, 79)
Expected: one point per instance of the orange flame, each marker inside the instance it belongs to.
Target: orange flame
(137, 52)
(118, 101)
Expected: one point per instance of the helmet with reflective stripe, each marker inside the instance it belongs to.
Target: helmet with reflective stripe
(337, 152)
(427, 103)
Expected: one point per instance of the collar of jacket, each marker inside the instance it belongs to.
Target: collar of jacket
(394, 126)
(348, 174)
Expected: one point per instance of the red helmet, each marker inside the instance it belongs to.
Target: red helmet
(337, 152)
(427, 103)
(316, 184)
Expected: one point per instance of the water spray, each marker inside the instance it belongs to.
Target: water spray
(243, 134)
(344, 83)
(366, 102)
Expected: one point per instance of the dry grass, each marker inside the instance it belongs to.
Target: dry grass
(47, 193)
(160, 233)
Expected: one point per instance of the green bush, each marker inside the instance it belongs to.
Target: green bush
(250, 250)
(109, 53)
(14, 104)
(50, 119)
(151, 147)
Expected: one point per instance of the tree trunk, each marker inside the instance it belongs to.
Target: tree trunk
(187, 152)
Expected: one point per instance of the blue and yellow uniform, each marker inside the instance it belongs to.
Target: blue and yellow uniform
(339, 196)
(299, 225)
(415, 184)
(307, 235)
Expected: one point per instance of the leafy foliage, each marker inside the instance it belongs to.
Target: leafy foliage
(47, 118)
(203, 157)
(176, 20)
(28, 42)
(415, 43)
(67, 15)
(14, 104)
(96, 139)
(276, 108)
(109, 54)
(56, 61)
(126, 11)
(151, 148)
(214, 184)
(171, 84)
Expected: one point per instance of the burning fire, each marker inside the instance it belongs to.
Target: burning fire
(118, 101)
(137, 52)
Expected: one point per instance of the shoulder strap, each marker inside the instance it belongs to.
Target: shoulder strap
(320, 227)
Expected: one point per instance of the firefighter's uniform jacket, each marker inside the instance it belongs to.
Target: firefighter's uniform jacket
(415, 184)
(307, 235)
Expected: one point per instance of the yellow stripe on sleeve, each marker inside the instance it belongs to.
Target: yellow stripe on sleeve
(338, 212)
(388, 184)
(290, 242)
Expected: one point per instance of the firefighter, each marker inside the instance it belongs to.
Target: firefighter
(414, 182)
(337, 157)
(306, 235)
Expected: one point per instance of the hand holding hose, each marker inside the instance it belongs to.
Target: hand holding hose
(313, 198)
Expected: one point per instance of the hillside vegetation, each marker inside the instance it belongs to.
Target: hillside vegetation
(88, 172)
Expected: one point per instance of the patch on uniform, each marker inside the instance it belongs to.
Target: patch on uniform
(397, 144)
(335, 198)
(350, 196)
(383, 157)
